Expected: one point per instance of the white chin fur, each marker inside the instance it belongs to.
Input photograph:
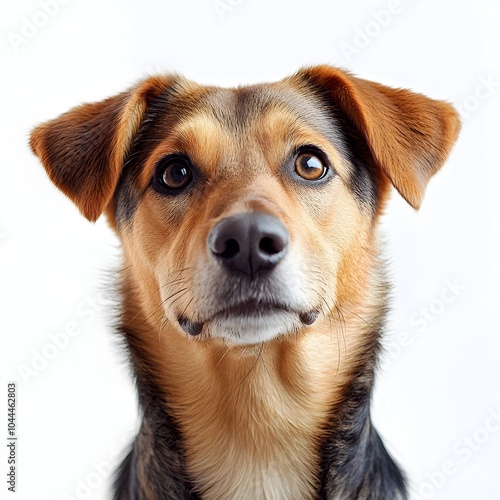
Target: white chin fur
(253, 329)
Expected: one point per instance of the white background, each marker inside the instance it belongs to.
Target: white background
(440, 385)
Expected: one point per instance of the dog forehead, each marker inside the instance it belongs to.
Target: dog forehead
(250, 121)
(240, 109)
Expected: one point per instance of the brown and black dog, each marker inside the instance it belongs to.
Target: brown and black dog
(253, 294)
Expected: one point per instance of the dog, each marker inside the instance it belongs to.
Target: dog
(253, 293)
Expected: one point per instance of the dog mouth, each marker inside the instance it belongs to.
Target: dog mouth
(249, 310)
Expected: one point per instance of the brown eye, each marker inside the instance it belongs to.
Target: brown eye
(310, 167)
(172, 174)
(176, 176)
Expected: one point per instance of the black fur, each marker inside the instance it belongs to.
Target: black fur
(154, 467)
(355, 464)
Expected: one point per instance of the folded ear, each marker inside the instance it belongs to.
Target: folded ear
(83, 150)
(409, 135)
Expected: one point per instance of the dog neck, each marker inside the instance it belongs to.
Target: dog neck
(229, 420)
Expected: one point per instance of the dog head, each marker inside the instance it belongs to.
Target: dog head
(247, 214)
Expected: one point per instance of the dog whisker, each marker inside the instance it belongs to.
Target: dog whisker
(163, 319)
(252, 368)
(178, 281)
(185, 290)
(163, 302)
(342, 326)
(187, 306)
(355, 314)
(223, 356)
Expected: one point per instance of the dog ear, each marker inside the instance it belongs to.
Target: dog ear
(409, 135)
(83, 150)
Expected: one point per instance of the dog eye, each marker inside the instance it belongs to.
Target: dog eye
(172, 174)
(310, 167)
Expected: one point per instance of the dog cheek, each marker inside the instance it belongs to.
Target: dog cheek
(348, 239)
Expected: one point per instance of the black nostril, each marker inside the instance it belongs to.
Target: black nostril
(271, 246)
(249, 243)
(232, 248)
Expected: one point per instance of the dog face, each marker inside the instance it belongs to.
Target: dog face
(244, 207)
(248, 214)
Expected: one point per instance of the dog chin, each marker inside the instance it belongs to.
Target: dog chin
(253, 329)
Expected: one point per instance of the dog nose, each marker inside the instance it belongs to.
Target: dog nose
(249, 243)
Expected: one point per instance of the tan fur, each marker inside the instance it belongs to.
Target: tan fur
(214, 390)
(252, 418)
(221, 395)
